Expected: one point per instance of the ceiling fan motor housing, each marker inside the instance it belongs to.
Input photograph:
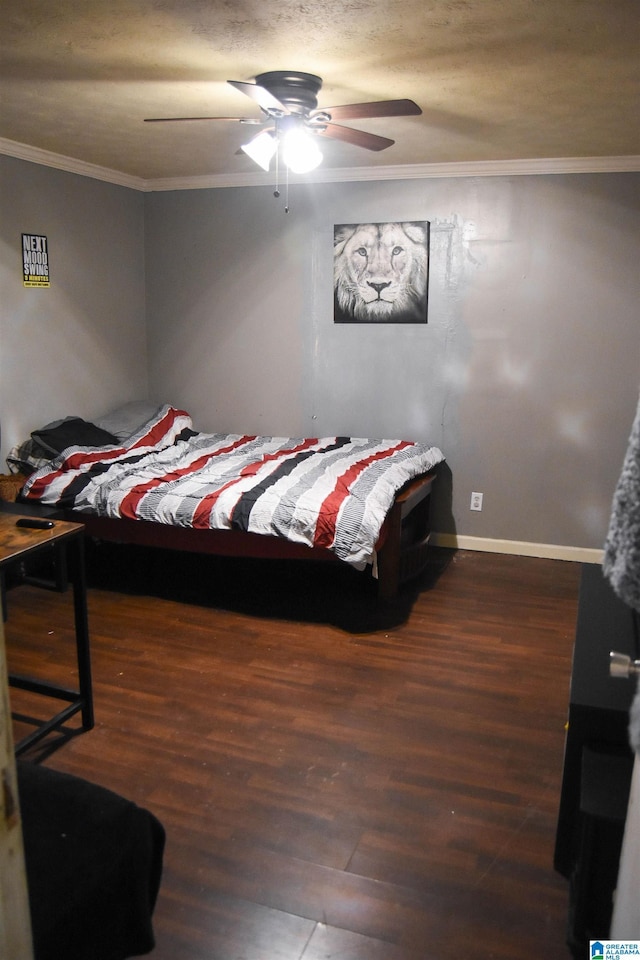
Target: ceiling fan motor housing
(297, 91)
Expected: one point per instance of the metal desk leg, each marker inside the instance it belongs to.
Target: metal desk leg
(75, 556)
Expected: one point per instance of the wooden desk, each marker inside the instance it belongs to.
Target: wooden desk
(18, 544)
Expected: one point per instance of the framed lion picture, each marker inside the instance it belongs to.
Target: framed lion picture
(381, 272)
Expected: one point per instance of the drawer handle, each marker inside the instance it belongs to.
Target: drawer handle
(621, 665)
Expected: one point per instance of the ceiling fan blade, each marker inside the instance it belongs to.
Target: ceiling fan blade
(260, 95)
(174, 119)
(380, 108)
(370, 141)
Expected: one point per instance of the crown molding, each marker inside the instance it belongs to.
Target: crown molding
(421, 171)
(46, 158)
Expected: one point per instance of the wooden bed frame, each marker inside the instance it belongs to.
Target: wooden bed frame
(401, 553)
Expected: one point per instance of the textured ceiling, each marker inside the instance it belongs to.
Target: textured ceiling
(496, 79)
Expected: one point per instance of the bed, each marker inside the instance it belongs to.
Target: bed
(143, 475)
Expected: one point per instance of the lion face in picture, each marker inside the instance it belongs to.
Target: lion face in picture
(380, 272)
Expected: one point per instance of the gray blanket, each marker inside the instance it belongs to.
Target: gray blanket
(622, 547)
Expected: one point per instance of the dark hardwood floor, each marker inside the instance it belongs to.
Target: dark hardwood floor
(337, 778)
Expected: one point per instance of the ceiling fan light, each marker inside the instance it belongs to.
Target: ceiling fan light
(261, 149)
(300, 151)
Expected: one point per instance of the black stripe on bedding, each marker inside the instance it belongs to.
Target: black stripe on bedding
(242, 510)
(97, 469)
(284, 515)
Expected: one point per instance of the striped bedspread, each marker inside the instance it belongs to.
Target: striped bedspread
(332, 492)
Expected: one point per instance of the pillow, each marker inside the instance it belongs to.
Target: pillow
(124, 421)
(71, 432)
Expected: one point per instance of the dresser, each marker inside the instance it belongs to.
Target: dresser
(597, 759)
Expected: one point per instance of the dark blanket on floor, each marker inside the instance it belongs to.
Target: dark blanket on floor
(94, 863)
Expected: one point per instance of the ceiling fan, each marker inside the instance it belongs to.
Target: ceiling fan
(289, 103)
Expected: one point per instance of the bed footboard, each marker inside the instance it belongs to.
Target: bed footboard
(403, 554)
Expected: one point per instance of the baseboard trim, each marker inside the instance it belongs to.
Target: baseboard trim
(518, 548)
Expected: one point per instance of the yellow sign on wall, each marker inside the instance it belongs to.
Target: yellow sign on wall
(35, 260)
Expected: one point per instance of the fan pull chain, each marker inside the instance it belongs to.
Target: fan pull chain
(276, 191)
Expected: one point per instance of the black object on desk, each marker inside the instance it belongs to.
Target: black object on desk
(18, 544)
(35, 523)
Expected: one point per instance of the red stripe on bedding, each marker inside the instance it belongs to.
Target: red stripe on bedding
(129, 504)
(85, 458)
(204, 508)
(39, 487)
(328, 515)
(152, 438)
(159, 429)
(76, 460)
(73, 462)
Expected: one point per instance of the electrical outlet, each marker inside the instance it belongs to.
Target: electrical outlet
(476, 501)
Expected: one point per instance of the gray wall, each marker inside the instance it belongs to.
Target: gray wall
(79, 346)
(526, 374)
